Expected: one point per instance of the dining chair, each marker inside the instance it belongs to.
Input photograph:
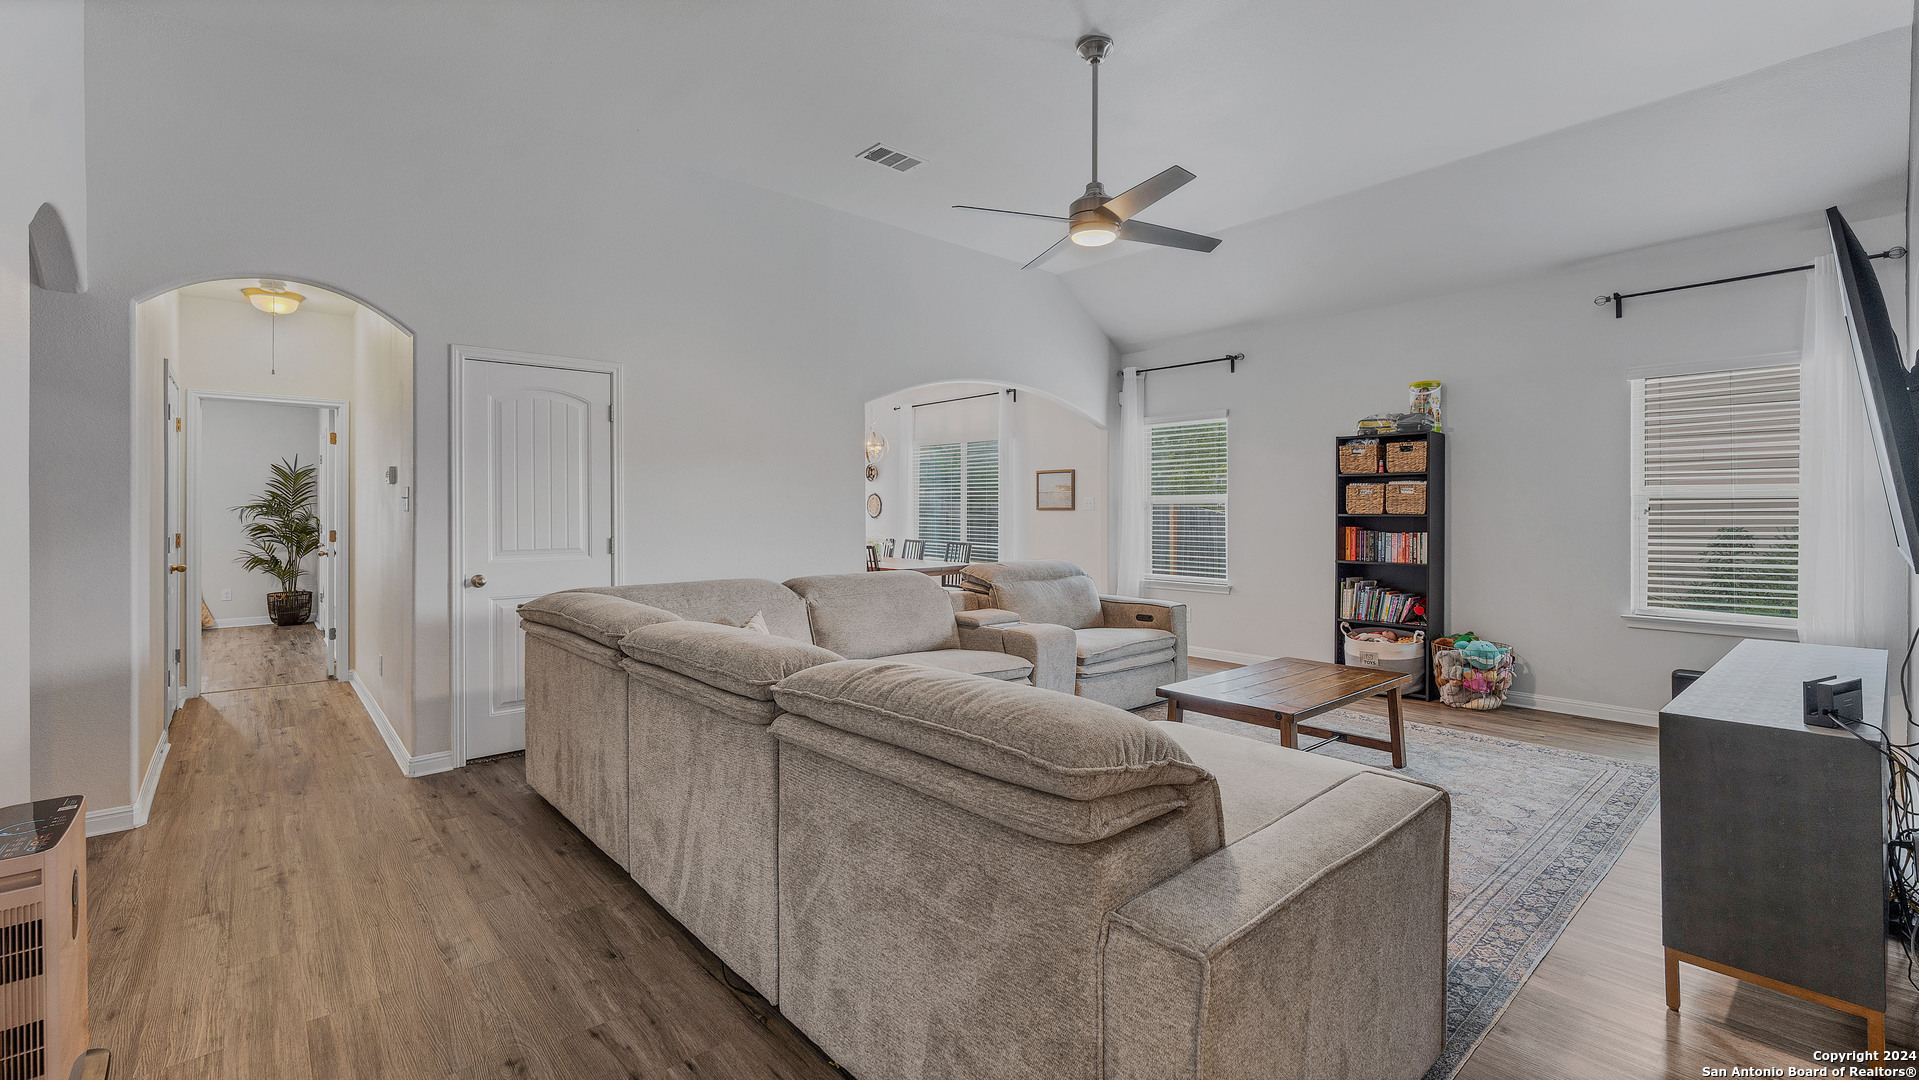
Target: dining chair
(912, 549)
(955, 551)
(886, 548)
(872, 557)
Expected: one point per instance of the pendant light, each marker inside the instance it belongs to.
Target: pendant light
(274, 298)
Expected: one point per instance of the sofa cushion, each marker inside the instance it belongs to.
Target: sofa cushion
(1259, 783)
(739, 661)
(865, 615)
(1034, 738)
(1042, 591)
(595, 615)
(723, 600)
(993, 665)
(1099, 644)
(1035, 813)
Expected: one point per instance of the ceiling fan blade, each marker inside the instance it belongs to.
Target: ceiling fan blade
(1015, 213)
(1144, 194)
(1048, 253)
(1159, 234)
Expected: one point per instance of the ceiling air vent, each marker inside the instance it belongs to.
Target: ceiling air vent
(882, 154)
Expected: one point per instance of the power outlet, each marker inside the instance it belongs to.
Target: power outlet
(226, 594)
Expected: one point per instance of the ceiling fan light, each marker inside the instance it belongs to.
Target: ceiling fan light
(1093, 233)
(274, 301)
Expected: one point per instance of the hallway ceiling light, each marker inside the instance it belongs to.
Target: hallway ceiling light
(274, 298)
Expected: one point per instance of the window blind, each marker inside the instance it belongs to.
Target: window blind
(1716, 498)
(1186, 497)
(959, 496)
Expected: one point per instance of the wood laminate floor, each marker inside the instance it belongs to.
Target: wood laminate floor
(241, 657)
(295, 908)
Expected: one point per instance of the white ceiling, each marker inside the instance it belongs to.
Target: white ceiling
(317, 299)
(1277, 106)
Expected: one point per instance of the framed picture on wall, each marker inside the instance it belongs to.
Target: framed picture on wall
(1054, 489)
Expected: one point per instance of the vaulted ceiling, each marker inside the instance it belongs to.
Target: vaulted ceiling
(1491, 133)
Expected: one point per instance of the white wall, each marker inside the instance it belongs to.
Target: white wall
(751, 326)
(234, 347)
(43, 130)
(1536, 416)
(1045, 433)
(380, 648)
(239, 440)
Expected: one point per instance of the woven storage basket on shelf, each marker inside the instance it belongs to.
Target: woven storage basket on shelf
(1365, 498)
(1402, 457)
(1406, 497)
(1359, 457)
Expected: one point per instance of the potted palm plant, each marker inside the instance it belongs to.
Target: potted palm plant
(282, 529)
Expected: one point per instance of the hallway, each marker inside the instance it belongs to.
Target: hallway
(248, 657)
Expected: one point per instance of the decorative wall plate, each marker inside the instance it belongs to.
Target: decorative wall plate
(873, 505)
(872, 472)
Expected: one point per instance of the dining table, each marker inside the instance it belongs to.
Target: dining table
(930, 567)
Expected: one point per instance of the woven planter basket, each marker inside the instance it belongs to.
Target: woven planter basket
(290, 608)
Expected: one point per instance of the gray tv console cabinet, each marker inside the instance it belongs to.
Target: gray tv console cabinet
(1772, 832)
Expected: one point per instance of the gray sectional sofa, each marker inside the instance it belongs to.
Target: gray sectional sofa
(938, 868)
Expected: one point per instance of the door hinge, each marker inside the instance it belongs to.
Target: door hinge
(332, 536)
(332, 632)
(609, 545)
(609, 414)
(176, 656)
(179, 539)
(332, 438)
(176, 424)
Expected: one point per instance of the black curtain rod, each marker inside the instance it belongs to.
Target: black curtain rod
(1014, 394)
(1618, 300)
(1231, 362)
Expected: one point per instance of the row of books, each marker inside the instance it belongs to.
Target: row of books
(1369, 601)
(1365, 545)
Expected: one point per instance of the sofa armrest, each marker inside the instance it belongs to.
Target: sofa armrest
(978, 617)
(1052, 650)
(1342, 903)
(1167, 615)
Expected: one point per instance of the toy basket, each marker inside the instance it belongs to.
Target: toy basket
(1408, 657)
(1472, 678)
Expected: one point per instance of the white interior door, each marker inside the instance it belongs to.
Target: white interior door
(173, 544)
(536, 516)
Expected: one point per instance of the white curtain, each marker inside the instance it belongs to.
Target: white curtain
(1852, 579)
(1133, 556)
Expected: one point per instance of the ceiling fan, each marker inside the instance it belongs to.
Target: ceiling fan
(1096, 220)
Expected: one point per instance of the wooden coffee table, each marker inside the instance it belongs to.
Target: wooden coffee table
(1280, 693)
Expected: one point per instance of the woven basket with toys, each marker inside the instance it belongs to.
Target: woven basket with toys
(1471, 672)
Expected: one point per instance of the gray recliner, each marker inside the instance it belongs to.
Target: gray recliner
(1125, 646)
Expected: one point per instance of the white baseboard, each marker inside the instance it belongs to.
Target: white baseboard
(1227, 656)
(1594, 710)
(1621, 714)
(112, 819)
(423, 765)
(248, 620)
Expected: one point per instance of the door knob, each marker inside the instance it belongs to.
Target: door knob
(180, 569)
(478, 581)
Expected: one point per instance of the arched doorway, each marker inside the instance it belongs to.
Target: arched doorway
(967, 459)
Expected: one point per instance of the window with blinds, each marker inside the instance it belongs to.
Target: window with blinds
(1186, 500)
(1716, 495)
(959, 497)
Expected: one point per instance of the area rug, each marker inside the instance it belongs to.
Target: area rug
(1534, 831)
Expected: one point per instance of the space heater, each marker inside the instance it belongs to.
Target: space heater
(43, 938)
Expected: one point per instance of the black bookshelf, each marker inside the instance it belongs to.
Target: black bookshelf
(1428, 578)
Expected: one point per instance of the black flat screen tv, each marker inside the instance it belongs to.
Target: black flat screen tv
(1891, 399)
